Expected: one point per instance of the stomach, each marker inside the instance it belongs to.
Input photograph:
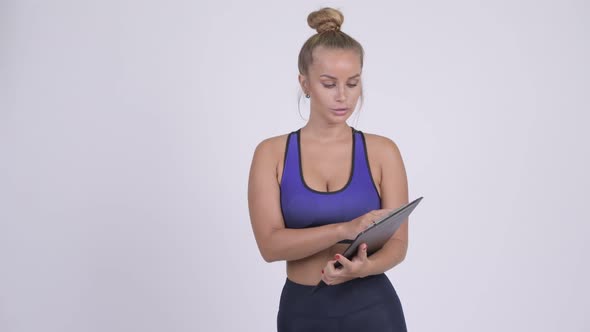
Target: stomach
(308, 270)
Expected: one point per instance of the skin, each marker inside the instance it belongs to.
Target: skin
(334, 83)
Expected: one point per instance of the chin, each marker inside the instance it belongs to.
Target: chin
(337, 119)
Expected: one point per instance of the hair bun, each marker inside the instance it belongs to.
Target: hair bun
(325, 19)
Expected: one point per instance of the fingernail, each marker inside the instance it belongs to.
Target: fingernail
(365, 247)
(337, 257)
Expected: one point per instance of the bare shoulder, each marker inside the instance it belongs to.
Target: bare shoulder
(268, 155)
(382, 147)
(267, 160)
(272, 146)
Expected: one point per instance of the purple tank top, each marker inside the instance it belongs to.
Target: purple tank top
(305, 207)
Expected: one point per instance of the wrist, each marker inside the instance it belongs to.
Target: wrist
(341, 231)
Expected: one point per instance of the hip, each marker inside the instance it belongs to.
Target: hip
(337, 300)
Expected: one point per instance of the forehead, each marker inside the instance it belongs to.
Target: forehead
(335, 62)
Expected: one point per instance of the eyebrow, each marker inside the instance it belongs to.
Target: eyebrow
(334, 78)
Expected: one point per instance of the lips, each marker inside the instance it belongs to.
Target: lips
(340, 111)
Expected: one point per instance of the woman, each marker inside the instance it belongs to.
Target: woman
(325, 183)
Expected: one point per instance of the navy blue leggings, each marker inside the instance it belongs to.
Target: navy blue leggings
(362, 304)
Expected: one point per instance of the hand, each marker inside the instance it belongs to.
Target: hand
(351, 269)
(354, 227)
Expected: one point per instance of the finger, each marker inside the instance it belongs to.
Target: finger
(342, 260)
(377, 213)
(371, 221)
(329, 269)
(326, 274)
(386, 211)
(362, 252)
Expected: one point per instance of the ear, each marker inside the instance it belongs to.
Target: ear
(304, 83)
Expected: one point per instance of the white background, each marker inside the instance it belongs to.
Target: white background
(127, 130)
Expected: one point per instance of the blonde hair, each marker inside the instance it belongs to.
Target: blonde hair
(327, 22)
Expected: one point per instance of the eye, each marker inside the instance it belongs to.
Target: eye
(352, 85)
(329, 86)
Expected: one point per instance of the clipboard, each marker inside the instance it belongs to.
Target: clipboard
(376, 235)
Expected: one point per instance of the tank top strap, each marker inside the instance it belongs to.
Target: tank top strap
(291, 159)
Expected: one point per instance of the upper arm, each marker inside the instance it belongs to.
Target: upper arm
(394, 182)
(264, 194)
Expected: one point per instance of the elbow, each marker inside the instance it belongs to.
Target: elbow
(269, 257)
(396, 260)
(403, 251)
(269, 254)
(400, 251)
(402, 257)
(268, 249)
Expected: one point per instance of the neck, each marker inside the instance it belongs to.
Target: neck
(326, 131)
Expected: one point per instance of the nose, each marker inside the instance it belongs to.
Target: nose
(341, 94)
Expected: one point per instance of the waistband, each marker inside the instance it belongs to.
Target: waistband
(336, 300)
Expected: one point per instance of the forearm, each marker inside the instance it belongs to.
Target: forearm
(292, 244)
(393, 253)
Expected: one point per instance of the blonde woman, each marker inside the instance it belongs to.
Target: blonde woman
(314, 188)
